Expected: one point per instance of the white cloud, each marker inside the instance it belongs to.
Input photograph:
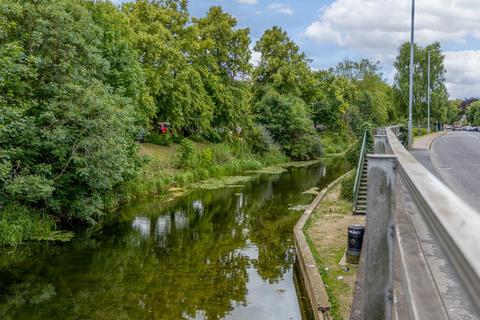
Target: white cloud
(463, 78)
(247, 1)
(281, 8)
(323, 32)
(378, 27)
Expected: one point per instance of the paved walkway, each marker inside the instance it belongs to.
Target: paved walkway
(424, 142)
(420, 150)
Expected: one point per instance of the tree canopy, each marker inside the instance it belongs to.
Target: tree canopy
(71, 93)
(79, 79)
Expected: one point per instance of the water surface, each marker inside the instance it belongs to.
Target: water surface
(212, 254)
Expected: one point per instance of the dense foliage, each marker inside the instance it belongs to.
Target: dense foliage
(81, 80)
(71, 92)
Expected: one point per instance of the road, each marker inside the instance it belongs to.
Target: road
(456, 157)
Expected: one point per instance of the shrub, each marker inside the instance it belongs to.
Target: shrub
(353, 153)
(261, 140)
(347, 187)
(217, 135)
(287, 119)
(206, 157)
(306, 147)
(159, 138)
(187, 154)
(416, 132)
(333, 142)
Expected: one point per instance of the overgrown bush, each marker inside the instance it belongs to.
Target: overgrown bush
(187, 154)
(261, 140)
(334, 143)
(306, 147)
(347, 186)
(286, 118)
(353, 153)
(162, 139)
(213, 135)
(416, 132)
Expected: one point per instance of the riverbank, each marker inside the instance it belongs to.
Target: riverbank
(326, 234)
(169, 171)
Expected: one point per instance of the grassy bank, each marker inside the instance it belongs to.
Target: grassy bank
(18, 224)
(173, 168)
(335, 143)
(326, 233)
(166, 170)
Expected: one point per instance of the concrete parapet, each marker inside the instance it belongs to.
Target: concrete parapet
(379, 243)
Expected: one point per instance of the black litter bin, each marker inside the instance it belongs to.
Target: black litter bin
(355, 240)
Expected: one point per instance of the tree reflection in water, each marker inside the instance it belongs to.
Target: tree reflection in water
(225, 253)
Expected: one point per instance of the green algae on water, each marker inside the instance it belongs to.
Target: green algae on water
(225, 182)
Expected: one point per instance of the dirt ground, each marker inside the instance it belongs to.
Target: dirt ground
(327, 235)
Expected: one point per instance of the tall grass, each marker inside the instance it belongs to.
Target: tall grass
(333, 142)
(18, 224)
(191, 164)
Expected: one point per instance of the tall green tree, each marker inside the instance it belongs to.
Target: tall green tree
(124, 73)
(161, 39)
(283, 87)
(221, 54)
(439, 94)
(282, 67)
(334, 105)
(375, 97)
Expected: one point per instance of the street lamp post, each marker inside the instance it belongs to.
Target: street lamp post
(410, 89)
(428, 93)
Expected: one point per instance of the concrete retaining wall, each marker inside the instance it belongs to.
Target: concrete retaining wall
(309, 274)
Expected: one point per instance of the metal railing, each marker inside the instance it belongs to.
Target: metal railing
(358, 175)
(454, 223)
(421, 252)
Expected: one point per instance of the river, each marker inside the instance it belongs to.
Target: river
(211, 254)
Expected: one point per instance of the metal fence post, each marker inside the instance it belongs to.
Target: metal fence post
(379, 242)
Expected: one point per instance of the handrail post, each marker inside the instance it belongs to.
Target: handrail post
(379, 244)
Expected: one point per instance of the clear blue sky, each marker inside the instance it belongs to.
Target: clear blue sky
(329, 31)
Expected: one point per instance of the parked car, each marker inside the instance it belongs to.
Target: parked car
(457, 127)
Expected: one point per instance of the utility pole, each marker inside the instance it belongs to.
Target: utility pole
(410, 89)
(428, 94)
